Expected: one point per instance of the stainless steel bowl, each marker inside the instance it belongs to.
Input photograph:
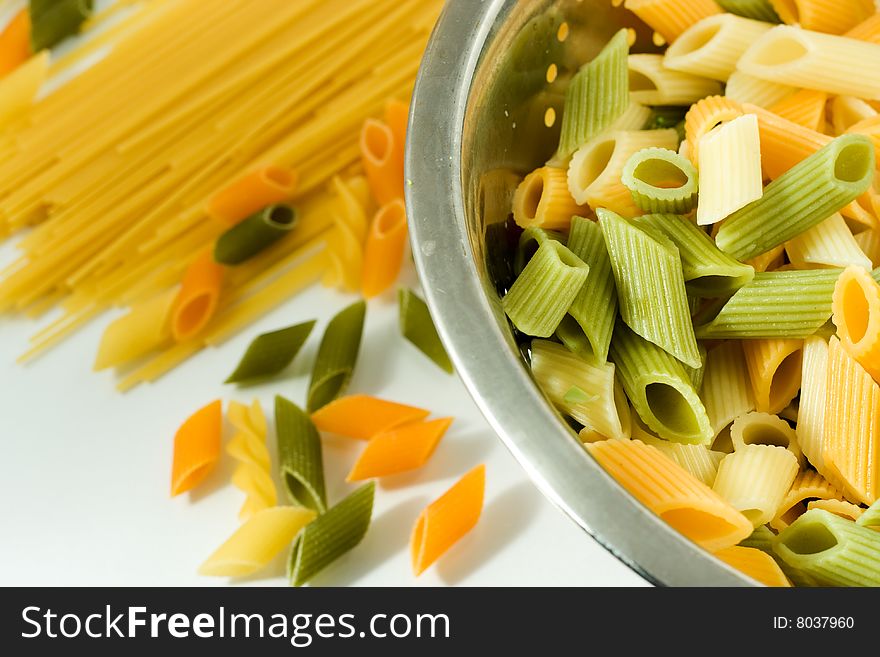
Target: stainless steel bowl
(478, 122)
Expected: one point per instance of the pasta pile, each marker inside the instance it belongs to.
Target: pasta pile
(694, 271)
(206, 168)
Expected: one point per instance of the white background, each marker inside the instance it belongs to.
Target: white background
(85, 485)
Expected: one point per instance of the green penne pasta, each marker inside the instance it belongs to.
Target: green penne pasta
(708, 271)
(337, 356)
(529, 242)
(785, 304)
(598, 94)
(650, 287)
(417, 327)
(659, 389)
(759, 10)
(695, 374)
(572, 336)
(331, 535)
(259, 231)
(300, 456)
(595, 306)
(871, 517)
(761, 539)
(52, 22)
(833, 551)
(544, 292)
(661, 180)
(601, 406)
(805, 195)
(271, 353)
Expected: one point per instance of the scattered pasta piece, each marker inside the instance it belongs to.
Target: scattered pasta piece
(300, 456)
(337, 356)
(253, 474)
(251, 193)
(382, 158)
(52, 22)
(362, 417)
(417, 326)
(257, 542)
(15, 45)
(271, 353)
(147, 326)
(197, 300)
(197, 448)
(406, 448)
(248, 238)
(384, 249)
(447, 519)
(331, 535)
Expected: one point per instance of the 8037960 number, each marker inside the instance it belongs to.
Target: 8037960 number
(824, 622)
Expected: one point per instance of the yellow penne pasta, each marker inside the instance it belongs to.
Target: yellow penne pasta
(863, 213)
(846, 111)
(869, 243)
(712, 47)
(807, 485)
(669, 18)
(814, 60)
(542, 200)
(828, 244)
(729, 162)
(754, 480)
(805, 107)
(697, 460)
(726, 391)
(594, 174)
(775, 371)
(755, 563)
(840, 508)
(832, 16)
(764, 429)
(744, 88)
(259, 540)
(685, 503)
(144, 328)
(851, 444)
(253, 475)
(651, 83)
(856, 314)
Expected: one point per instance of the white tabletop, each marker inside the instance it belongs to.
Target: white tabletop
(85, 487)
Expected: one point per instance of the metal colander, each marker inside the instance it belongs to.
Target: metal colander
(486, 110)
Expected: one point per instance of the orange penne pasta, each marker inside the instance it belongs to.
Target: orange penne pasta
(383, 161)
(851, 444)
(543, 200)
(447, 519)
(686, 503)
(704, 115)
(669, 18)
(397, 117)
(197, 448)
(805, 107)
(831, 16)
(775, 371)
(867, 30)
(807, 485)
(784, 143)
(385, 248)
(197, 299)
(251, 193)
(756, 564)
(15, 43)
(856, 307)
(406, 448)
(363, 417)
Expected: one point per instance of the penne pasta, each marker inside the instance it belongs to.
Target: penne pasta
(687, 504)
(856, 308)
(251, 193)
(867, 30)
(141, 330)
(727, 391)
(300, 456)
(829, 16)
(784, 143)
(703, 116)
(446, 520)
(15, 45)
(841, 508)
(248, 238)
(697, 460)
(53, 22)
(270, 353)
(196, 448)
(868, 242)
(729, 160)
(651, 83)
(827, 244)
(870, 517)
(196, 301)
(396, 118)
(774, 370)
(661, 180)
(418, 328)
(808, 485)
(248, 446)
(362, 417)
(257, 542)
(744, 88)
(385, 248)
(846, 111)
(404, 448)
(754, 480)
(756, 564)
(814, 60)
(669, 18)
(543, 200)
(805, 107)
(758, 428)
(382, 160)
(337, 356)
(712, 47)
